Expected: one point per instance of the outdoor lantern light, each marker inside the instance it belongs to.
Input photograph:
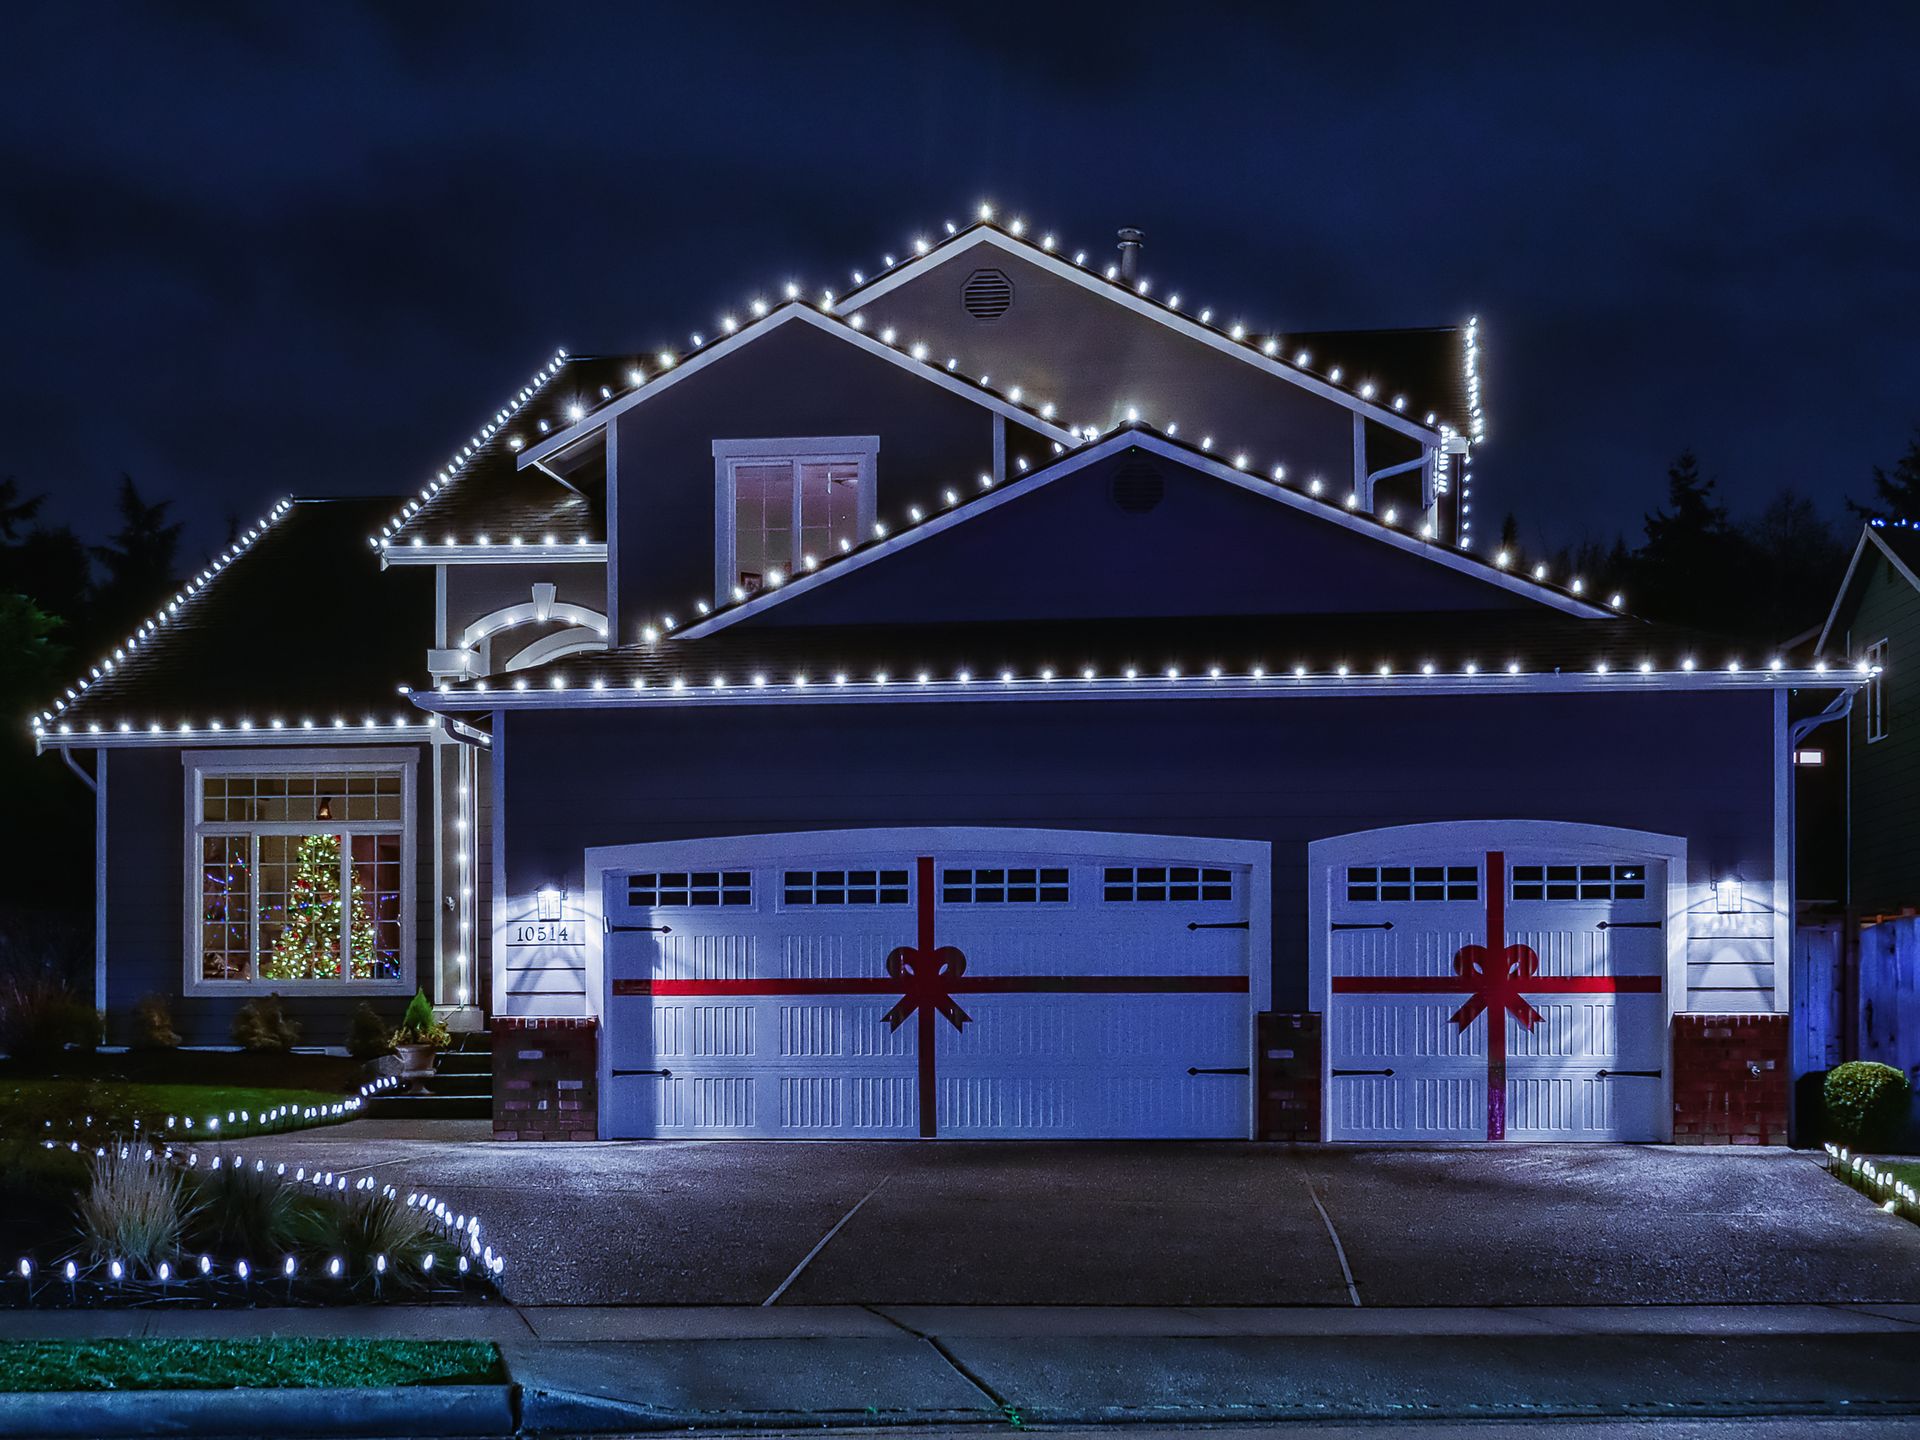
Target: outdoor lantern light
(548, 900)
(1726, 895)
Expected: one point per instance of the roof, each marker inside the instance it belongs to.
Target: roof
(270, 635)
(1230, 655)
(1899, 542)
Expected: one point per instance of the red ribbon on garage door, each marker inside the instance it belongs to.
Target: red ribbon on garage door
(1493, 976)
(927, 976)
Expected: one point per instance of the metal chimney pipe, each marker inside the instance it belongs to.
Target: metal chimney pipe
(1132, 242)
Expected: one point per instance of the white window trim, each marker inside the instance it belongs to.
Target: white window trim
(861, 450)
(1876, 657)
(198, 763)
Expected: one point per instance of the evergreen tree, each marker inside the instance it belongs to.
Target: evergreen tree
(1693, 568)
(308, 947)
(139, 559)
(15, 511)
(1798, 561)
(1896, 495)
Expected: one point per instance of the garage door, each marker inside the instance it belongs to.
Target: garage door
(1496, 996)
(917, 990)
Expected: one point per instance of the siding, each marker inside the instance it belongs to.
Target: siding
(1884, 776)
(148, 904)
(1695, 765)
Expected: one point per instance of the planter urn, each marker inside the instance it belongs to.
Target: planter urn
(416, 1066)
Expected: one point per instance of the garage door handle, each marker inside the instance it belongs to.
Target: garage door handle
(1236, 1070)
(665, 1074)
(1379, 925)
(1643, 1074)
(1629, 925)
(1361, 1072)
(634, 929)
(1217, 924)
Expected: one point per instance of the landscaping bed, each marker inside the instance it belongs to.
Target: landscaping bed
(41, 1365)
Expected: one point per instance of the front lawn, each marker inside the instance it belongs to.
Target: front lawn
(40, 1365)
(69, 1108)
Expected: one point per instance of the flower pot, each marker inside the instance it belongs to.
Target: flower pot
(416, 1066)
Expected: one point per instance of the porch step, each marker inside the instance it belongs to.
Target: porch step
(464, 1062)
(460, 1088)
(430, 1107)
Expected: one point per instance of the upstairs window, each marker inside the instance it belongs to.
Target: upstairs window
(1876, 696)
(783, 506)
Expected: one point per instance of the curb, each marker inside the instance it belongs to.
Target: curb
(424, 1410)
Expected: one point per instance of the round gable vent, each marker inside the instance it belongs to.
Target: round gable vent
(1138, 485)
(987, 295)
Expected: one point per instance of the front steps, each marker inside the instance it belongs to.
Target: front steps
(460, 1088)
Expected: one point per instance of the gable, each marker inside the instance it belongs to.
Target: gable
(1139, 532)
(1880, 591)
(798, 380)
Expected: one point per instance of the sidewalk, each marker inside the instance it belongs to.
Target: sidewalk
(587, 1369)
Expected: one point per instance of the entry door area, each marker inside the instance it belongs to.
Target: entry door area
(1485, 990)
(952, 983)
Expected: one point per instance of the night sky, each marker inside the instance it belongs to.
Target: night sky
(258, 250)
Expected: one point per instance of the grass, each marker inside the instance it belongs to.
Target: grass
(43, 1365)
(26, 1105)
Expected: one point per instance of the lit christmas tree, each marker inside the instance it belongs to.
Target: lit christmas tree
(309, 944)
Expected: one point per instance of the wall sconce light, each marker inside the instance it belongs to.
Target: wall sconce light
(1726, 896)
(547, 900)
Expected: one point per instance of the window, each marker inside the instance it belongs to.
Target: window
(1413, 882)
(300, 874)
(845, 887)
(783, 506)
(1877, 717)
(1027, 886)
(689, 888)
(1579, 882)
(1810, 756)
(1172, 883)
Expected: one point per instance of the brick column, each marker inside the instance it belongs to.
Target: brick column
(545, 1079)
(1287, 1070)
(1729, 1079)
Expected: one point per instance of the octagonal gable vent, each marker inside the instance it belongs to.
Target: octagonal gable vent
(1138, 485)
(987, 295)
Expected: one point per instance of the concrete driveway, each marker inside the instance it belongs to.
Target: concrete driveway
(653, 1223)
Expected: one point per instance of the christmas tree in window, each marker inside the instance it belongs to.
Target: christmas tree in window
(308, 947)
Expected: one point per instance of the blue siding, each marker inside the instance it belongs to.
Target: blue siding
(1289, 772)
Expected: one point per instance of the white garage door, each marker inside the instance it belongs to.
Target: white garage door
(1496, 996)
(783, 990)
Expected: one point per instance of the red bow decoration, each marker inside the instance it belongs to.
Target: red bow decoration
(1496, 977)
(927, 976)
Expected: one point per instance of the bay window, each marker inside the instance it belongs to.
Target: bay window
(783, 506)
(300, 873)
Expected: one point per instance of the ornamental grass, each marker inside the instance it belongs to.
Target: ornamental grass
(242, 1211)
(134, 1208)
(361, 1226)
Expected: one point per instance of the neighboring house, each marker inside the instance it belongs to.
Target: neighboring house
(991, 701)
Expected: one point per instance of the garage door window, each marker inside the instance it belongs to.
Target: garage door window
(689, 888)
(1390, 883)
(1125, 884)
(845, 887)
(1579, 882)
(1004, 887)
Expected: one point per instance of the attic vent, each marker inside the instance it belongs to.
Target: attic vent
(987, 295)
(1138, 486)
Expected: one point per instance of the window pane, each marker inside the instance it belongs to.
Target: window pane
(374, 936)
(762, 522)
(829, 507)
(225, 907)
(300, 907)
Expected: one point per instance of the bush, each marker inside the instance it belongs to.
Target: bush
(133, 1209)
(40, 1016)
(418, 1027)
(367, 1035)
(1866, 1104)
(263, 1025)
(242, 1212)
(153, 1024)
(360, 1225)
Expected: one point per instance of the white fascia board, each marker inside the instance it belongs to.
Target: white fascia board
(787, 313)
(417, 732)
(1276, 686)
(1140, 305)
(419, 552)
(1131, 438)
(1840, 595)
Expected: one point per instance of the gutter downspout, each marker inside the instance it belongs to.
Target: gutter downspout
(97, 783)
(66, 754)
(1366, 500)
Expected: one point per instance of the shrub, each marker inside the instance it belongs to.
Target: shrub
(241, 1211)
(418, 1027)
(360, 1225)
(367, 1035)
(153, 1024)
(40, 1016)
(1866, 1104)
(263, 1025)
(133, 1208)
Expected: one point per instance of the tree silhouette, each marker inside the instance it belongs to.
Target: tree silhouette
(139, 558)
(1896, 494)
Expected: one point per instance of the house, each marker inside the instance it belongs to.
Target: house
(1001, 698)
